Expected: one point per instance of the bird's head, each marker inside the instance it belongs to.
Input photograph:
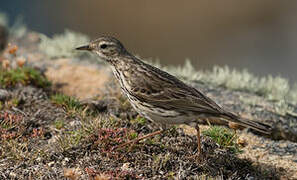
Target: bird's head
(108, 48)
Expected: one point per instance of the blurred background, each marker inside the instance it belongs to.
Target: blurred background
(260, 36)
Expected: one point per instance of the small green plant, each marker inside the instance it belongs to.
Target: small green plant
(224, 137)
(15, 102)
(70, 103)
(170, 175)
(133, 135)
(138, 120)
(71, 139)
(59, 124)
(24, 76)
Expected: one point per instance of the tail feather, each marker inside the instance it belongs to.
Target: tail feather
(256, 125)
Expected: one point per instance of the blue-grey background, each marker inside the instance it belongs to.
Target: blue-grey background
(258, 35)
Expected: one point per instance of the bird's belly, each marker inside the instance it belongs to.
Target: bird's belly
(159, 115)
(159, 118)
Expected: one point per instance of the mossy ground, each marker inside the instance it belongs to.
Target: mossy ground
(24, 76)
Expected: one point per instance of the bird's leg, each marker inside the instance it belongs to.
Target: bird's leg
(198, 155)
(198, 139)
(138, 139)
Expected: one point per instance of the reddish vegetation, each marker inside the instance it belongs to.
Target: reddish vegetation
(9, 120)
(107, 139)
(12, 49)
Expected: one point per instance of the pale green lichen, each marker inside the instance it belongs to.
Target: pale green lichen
(3, 19)
(292, 94)
(282, 107)
(19, 28)
(186, 71)
(250, 100)
(272, 88)
(62, 45)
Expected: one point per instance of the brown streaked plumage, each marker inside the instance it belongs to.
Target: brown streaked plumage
(159, 96)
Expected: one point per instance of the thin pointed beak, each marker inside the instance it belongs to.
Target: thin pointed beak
(86, 47)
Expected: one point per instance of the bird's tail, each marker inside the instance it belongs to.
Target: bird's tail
(256, 125)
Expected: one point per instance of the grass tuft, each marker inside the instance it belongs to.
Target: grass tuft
(25, 76)
(70, 103)
(59, 124)
(138, 120)
(224, 137)
(70, 139)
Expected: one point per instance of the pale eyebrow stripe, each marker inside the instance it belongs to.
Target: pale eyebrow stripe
(105, 42)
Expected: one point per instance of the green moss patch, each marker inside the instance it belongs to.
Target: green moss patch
(24, 76)
(224, 137)
(70, 103)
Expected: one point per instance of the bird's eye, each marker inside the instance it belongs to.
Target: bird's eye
(103, 46)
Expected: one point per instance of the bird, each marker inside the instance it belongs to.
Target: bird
(160, 96)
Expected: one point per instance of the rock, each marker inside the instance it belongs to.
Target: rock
(4, 95)
(3, 37)
(99, 105)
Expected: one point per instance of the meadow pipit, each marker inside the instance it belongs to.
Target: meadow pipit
(159, 96)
